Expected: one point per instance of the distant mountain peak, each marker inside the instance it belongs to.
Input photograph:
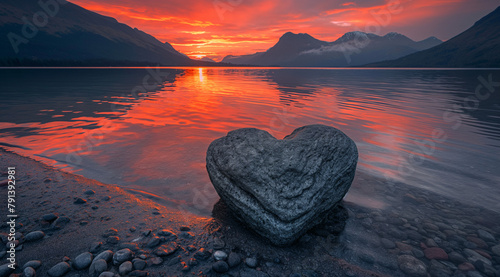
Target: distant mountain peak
(290, 35)
(394, 34)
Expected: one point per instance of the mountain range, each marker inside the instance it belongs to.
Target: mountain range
(479, 46)
(72, 35)
(352, 49)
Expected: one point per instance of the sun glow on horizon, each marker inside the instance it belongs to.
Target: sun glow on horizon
(198, 29)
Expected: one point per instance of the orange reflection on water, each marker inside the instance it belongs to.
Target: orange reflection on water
(159, 143)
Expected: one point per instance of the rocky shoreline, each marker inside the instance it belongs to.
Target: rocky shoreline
(68, 225)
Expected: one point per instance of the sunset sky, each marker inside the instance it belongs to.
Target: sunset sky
(216, 28)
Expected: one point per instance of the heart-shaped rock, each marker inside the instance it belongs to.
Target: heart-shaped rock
(282, 188)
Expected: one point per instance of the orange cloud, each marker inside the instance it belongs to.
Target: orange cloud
(222, 27)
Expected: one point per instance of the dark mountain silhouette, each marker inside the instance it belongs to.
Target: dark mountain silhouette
(73, 35)
(352, 49)
(479, 46)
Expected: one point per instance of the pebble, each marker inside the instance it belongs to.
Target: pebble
(79, 201)
(113, 240)
(89, 192)
(34, 236)
(185, 229)
(106, 198)
(49, 217)
(219, 244)
(107, 274)
(125, 268)
(61, 221)
(59, 269)
(122, 255)
(466, 267)
(496, 250)
(83, 261)
(139, 264)
(473, 256)
(155, 261)
(110, 232)
(412, 266)
(166, 233)
(233, 259)
(456, 258)
(220, 255)
(388, 244)
(479, 242)
(29, 272)
(417, 253)
(97, 267)
(5, 270)
(435, 253)
(485, 235)
(220, 267)
(95, 246)
(105, 255)
(202, 254)
(34, 264)
(153, 242)
(430, 243)
(251, 262)
(166, 249)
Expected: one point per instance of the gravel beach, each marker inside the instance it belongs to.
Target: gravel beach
(68, 225)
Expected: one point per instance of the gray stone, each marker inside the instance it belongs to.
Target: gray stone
(233, 259)
(107, 274)
(34, 236)
(125, 268)
(412, 266)
(456, 258)
(59, 269)
(251, 262)
(485, 235)
(95, 246)
(496, 250)
(220, 255)
(122, 255)
(34, 264)
(5, 270)
(473, 256)
(105, 255)
(282, 188)
(139, 264)
(166, 249)
(83, 260)
(220, 267)
(388, 244)
(219, 244)
(97, 267)
(49, 217)
(29, 272)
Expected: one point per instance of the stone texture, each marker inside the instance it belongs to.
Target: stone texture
(59, 269)
(435, 253)
(282, 188)
(412, 266)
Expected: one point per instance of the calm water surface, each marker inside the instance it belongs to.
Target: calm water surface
(148, 130)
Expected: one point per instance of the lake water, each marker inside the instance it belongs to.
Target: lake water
(148, 129)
